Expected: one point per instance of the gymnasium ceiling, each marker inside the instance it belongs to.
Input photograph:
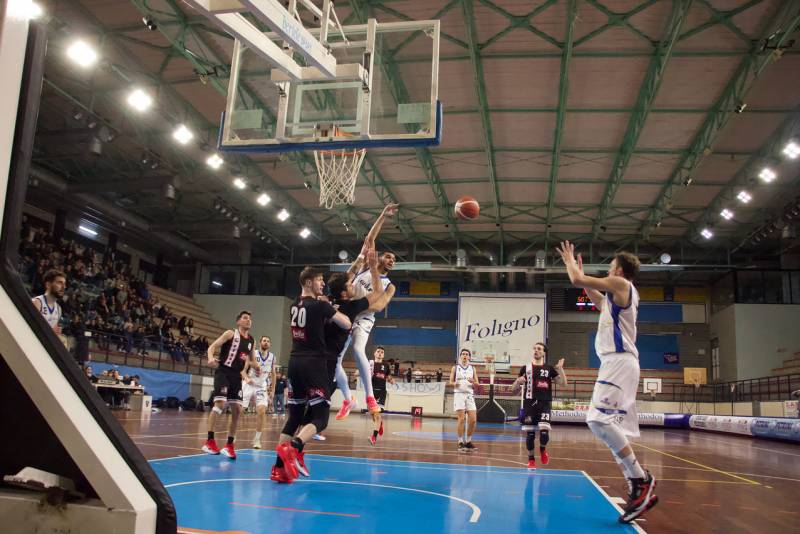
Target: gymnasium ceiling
(612, 123)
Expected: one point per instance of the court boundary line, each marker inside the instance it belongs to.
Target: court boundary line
(616, 506)
(428, 465)
(476, 511)
(753, 482)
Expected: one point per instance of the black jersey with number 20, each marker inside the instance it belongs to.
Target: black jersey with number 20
(307, 317)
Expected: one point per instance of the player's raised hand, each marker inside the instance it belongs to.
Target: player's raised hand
(580, 262)
(560, 364)
(391, 209)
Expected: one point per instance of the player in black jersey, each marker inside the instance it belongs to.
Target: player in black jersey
(309, 382)
(340, 286)
(538, 378)
(235, 348)
(381, 373)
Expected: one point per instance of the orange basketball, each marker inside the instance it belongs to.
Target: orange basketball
(467, 208)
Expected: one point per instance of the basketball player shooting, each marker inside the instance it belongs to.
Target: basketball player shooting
(363, 323)
(612, 413)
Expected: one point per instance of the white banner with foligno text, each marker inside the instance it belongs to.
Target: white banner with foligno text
(502, 324)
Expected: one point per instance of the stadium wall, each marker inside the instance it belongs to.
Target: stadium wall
(754, 339)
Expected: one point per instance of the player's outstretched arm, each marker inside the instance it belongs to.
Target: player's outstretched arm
(618, 286)
(372, 235)
(214, 347)
(452, 381)
(342, 321)
(594, 295)
(562, 376)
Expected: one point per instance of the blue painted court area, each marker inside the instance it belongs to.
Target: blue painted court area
(346, 494)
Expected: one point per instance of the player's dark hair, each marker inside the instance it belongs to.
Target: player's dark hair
(542, 345)
(469, 353)
(379, 347)
(337, 283)
(309, 273)
(52, 274)
(262, 339)
(243, 312)
(628, 263)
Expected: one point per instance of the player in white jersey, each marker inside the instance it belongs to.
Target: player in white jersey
(47, 303)
(363, 323)
(260, 386)
(612, 414)
(464, 378)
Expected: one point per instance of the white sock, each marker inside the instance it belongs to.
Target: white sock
(469, 438)
(622, 467)
(460, 439)
(258, 436)
(632, 466)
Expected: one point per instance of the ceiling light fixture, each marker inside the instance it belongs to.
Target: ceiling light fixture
(791, 150)
(305, 232)
(214, 161)
(239, 183)
(708, 234)
(263, 199)
(82, 54)
(767, 175)
(139, 100)
(182, 134)
(726, 214)
(283, 215)
(744, 197)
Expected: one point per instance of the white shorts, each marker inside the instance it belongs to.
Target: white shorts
(463, 401)
(614, 396)
(260, 393)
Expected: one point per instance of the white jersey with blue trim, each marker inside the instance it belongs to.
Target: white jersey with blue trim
(616, 329)
(463, 377)
(265, 362)
(363, 287)
(51, 315)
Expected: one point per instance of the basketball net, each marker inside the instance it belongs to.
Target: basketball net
(338, 171)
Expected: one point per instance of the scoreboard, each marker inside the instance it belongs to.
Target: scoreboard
(578, 300)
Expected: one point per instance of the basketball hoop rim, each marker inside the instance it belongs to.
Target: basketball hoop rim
(341, 152)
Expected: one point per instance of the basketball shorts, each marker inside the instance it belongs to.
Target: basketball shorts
(331, 367)
(227, 385)
(258, 392)
(614, 396)
(380, 397)
(464, 401)
(535, 414)
(309, 381)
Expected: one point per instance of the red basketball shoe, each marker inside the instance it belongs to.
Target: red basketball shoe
(531, 463)
(210, 447)
(278, 474)
(545, 457)
(300, 462)
(228, 451)
(288, 454)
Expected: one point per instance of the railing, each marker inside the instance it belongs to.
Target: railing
(149, 352)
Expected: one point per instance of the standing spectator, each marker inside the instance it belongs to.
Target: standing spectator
(408, 374)
(396, 368)
(280, 386)
(439, 374)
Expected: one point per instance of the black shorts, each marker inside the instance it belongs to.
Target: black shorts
(309, 381)
(227, 385)
(536, 413)
(380, 397)
(331, 364)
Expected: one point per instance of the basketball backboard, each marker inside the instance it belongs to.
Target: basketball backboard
(323, 86)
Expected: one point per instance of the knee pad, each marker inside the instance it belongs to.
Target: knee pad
(609, 433)
(320, 413)
(530, 439)
(544, 437)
